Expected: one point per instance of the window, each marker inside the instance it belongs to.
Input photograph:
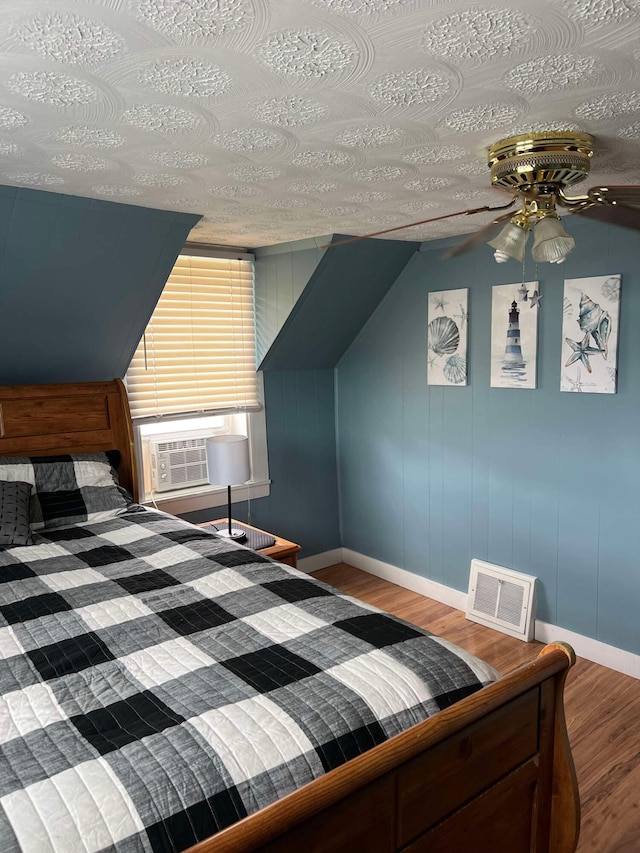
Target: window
(192, 375)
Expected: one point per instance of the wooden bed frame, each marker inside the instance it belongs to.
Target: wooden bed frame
(491, 773)
(48, 420)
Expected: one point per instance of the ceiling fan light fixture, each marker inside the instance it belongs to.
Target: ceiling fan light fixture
(511, 241)
(551, 242)
(537, 168)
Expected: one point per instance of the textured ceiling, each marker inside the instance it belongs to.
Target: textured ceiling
(284, 119)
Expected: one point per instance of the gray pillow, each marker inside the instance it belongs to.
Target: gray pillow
(67, 489)
(14, 513)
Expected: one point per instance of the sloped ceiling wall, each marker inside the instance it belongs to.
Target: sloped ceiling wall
(345, 288)
(79, 279)
(281, 274)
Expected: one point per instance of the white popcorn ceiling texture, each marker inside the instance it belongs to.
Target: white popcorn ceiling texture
(284, 119)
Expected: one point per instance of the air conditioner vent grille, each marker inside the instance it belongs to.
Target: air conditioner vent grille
(180, 444)
(502, 599)
(185, 457)
(178, 463)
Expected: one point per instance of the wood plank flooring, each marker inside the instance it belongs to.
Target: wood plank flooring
(602, 708)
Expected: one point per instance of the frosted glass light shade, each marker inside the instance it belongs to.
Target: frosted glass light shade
(510, 241)
(228, 460)
(551, 242)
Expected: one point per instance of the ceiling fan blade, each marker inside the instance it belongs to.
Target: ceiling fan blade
(484, 209)
(482, 236)
(627, 194)
(616, 214)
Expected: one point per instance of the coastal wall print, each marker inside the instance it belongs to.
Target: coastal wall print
(447, 335)
(514, 335)
(591, 312)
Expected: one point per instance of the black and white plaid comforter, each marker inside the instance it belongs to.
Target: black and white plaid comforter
(158, 683)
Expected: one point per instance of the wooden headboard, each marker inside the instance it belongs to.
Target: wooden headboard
(85, 417)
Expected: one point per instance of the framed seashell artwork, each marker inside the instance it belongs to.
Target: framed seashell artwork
(590, 320)
(447, 335)
(514, 335)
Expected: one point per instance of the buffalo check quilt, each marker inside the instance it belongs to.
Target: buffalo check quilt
(158, 683)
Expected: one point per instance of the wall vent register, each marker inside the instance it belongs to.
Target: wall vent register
(502, 599)
(178, 463)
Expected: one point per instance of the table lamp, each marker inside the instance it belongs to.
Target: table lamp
(228, 465)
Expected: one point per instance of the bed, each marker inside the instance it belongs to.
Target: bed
(162, 689)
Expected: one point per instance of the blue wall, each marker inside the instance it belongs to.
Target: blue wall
(79, 279)
(303, 503)
(310, 304)
(540, 481)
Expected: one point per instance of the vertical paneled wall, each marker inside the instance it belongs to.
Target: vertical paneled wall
(300, 411)
(303, 504)
(342, 289)
(540, 481)
(301, 436)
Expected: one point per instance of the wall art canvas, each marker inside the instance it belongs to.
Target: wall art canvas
(514, 335)
(591, 313)
(447, 334)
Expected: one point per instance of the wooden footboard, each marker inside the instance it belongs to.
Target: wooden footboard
(492, 773)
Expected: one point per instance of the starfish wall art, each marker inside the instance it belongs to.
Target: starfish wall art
(590, 334)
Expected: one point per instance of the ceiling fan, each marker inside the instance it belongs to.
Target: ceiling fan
(537, 168)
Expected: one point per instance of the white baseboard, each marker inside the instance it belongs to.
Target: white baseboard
(320, 561)
(594, 650)
(585, 647)
(409, 580)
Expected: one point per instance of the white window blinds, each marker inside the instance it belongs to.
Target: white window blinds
(198, 350)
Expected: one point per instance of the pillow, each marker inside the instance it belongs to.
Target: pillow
(14, 513)
(67, 489)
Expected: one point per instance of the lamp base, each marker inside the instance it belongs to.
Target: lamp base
(235, 533)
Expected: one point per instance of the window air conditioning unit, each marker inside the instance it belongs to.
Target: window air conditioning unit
(178, 463)
(502, 599)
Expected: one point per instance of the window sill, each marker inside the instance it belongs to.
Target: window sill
(204, 497)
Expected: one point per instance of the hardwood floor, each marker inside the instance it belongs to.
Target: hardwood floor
(602, 708)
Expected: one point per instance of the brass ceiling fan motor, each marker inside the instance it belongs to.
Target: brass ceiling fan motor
(540, 163)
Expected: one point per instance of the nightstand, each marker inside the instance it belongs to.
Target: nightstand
(282, 550)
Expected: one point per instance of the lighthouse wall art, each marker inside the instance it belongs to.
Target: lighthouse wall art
(514, 335)
(591, 312)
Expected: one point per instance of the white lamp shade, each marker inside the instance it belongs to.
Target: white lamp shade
(228, 460)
